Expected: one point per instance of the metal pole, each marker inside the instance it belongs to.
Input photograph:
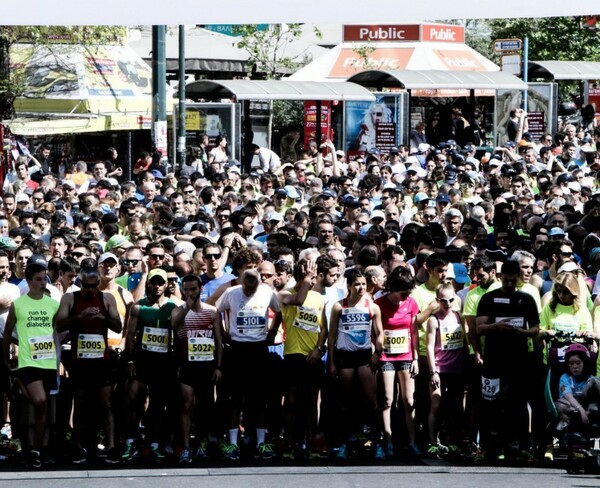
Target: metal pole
(525, 69)
(182, 135)
(159, 89)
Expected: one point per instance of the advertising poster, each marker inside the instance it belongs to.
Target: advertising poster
(541, 104)
(310, 121)
(371, 125)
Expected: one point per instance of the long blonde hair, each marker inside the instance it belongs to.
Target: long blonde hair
(570, 282)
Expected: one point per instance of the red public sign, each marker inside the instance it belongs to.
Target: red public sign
(402, 32)
(381, 33)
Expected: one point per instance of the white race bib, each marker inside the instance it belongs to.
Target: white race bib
(396, 341)
(490, 388)
(201, 349)
(451, 337)
(42, 347)
(307, 319)
(155, 339)
(90, 346)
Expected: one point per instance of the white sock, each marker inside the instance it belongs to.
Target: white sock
(260, 436)
(233, 436)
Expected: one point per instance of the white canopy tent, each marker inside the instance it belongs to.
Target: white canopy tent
(342, 62)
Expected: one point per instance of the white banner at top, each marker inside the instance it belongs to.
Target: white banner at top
(177, 12)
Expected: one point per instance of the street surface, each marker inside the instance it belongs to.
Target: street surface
(333, 476)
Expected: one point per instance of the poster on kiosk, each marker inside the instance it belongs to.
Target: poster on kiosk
(371, 125)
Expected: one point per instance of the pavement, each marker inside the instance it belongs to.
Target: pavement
(426, 474)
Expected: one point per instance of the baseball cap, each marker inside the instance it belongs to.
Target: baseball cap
(157, 174)
(461, 275)
(443, 197)
(423, 147)
(450, 177)
(329, 193)
(421, 196)
(377, 214)
(275, 216)
(38, 261)
(118, 240)
(7, 244)
(106, 256)
(158, 272)
(280, 191)
(291, 192)
(568, 266)
(394, 150)
(351, 201)
(556, 231)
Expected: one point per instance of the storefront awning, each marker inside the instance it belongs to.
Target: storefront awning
(276, 90)
(26, 126)
(435, 79)
(565, 70)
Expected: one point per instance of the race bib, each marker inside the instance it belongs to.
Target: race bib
(356, 324)
(155, 340)
(451, 337)
(490, 388)
(201, 349)
(307, 319)
(252, 322)
(518, 322)
(396, 341)
(90, 346)
(42, 347)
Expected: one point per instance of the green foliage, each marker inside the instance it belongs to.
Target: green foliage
(558, 38)
(266, 49)
(364, 52)
(288, 113)
(551, 38)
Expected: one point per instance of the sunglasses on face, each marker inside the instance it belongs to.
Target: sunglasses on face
(445, 300)
(266, 276)
(157, 256)
(131, 262)
(78, 255)
(173, 279)
(212, 256)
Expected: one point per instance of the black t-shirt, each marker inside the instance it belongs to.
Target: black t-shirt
(506, 349)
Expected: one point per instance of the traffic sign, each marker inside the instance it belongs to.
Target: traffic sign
(511, 63)
(504, 45)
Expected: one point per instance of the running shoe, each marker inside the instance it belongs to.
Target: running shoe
(200, 452)
(79, 456)
(34, 459)
(265, 451)
(185, 456)
(129, 452)
(231, 452)
(288, 455)
(112, 456)
(156, 454)
(549, 455)
(342, 452)
(389, 451)
(414, 451)
(379, 452)
(434, 451)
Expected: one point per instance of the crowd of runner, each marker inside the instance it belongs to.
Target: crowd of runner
(394, 304)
